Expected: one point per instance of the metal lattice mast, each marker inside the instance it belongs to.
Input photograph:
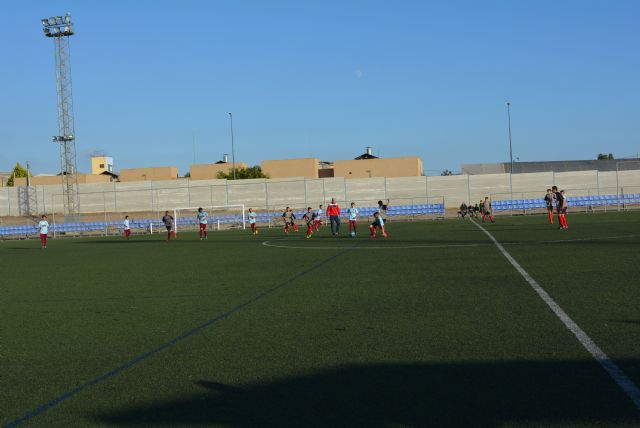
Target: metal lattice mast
(60, 29)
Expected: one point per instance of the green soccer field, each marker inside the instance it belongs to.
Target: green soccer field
(430, 327)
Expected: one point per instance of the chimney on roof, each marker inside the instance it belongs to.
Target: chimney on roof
(369, 151)
(225, 158)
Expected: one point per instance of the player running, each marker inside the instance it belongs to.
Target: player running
(487, 210)
(252, 221)
(203, 219)
(43, 227)
(464, 210)
(319, 215)
(378, 222)
(549, 198)
(382, 208)
(167, 219)
(289, 220)
(352, 212)
(309, 217)
(127, 227)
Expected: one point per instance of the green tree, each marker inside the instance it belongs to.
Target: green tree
(244, 173)
(446, 172)
(18, 172)
(604, 156)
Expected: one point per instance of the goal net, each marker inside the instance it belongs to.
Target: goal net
(219, 217)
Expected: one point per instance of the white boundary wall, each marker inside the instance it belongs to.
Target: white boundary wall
(298, 192)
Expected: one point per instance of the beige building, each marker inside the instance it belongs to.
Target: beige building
(50, 180)
(210, 171)
(100, 164)
(410, 166)
(304, 167)
(364, 166)
(149, 174)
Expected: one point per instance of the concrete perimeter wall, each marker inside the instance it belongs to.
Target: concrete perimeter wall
(276, 193)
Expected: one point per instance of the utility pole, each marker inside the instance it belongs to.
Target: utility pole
(233, 152)
(510, 151)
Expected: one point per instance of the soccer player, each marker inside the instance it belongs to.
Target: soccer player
(487, 210)
(203, 219)
(382, 208)
(353, 212)
(43, 227)
(319, 215)
(378, 221)
(565, 208)
(333, 212)
(289, 220)
(167, 219)
(294, 225)
(463, 210)
(252, 221)
(561, 207)
(548, 199)
(127, 227)
(309, 217)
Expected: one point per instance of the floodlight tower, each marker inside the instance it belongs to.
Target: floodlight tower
(60, 28)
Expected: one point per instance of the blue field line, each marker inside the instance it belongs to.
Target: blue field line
(68, 394)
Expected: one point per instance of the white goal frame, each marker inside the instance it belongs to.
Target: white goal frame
(209, 208)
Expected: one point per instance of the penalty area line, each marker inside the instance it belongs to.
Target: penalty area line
(616, 373)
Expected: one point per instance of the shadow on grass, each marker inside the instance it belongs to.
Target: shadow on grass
(626, 321)
(474, 394)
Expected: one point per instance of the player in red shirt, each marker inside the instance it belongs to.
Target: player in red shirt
(333, 212)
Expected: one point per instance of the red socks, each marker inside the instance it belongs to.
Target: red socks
(550, 217)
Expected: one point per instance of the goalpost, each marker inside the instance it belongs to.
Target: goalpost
(220, 216)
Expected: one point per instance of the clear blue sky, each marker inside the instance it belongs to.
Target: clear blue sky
(325, 79)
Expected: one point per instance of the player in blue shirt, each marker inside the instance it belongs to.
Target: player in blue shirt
(203, 219)
(353, 212)
(252, 221)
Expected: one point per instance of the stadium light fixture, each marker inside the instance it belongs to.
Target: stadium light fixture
(57, 26)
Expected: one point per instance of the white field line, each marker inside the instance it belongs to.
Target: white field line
(616, 373)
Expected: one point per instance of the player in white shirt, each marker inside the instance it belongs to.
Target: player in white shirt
(378, 222)
(127, 227)
(353, 218)
(43, 228)
(319, 215)
(203, 219)
(252, 221)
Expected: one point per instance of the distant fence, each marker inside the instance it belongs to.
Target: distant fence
(272, 195)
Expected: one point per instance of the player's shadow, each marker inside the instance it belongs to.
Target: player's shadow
(440, 395)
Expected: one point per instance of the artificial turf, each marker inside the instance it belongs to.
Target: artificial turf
(430, 327)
